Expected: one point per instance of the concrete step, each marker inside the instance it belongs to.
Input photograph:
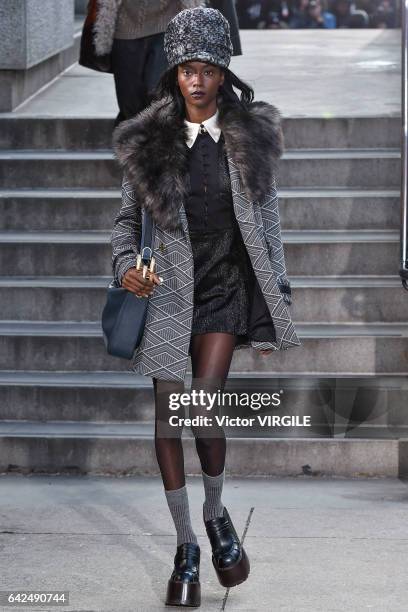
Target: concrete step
(50, 209)
(90, 169)
(59, 133)
(310, 252)
(25, 132)
(260, 428)
(338, 349)
(320, 208)
(373, 168)
(315, 299)
(334, 404)
(339, 252)
(341, 132)
(330, 208)
(349, 299)
(127, 448)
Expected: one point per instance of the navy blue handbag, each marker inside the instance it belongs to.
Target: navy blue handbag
(124, 314)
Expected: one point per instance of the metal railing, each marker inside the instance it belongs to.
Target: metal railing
(404, 146)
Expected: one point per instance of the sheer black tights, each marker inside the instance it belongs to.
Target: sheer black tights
(211, 356)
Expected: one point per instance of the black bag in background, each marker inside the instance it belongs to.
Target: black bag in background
(87, 54)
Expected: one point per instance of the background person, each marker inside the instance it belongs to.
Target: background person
(133, 32)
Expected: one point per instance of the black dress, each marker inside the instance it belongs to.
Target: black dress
(224, 281)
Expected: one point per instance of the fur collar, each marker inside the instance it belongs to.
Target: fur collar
(152, 151)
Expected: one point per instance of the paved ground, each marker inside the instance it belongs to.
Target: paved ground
(315, 545)
(305, 73)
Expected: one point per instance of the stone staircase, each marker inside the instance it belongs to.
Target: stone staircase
(68, 406)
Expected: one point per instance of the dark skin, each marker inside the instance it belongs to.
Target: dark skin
(192, 77)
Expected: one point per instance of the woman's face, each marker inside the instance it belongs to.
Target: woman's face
(199, 82)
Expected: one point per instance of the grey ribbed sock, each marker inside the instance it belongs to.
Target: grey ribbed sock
(177, 500)
(213, 485)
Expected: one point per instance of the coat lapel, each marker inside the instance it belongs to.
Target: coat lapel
(183, 220)
(259, 255)
(254, 143)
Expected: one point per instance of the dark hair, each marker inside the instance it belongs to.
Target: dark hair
(168, 87)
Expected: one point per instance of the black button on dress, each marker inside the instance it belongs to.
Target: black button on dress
(223, 275)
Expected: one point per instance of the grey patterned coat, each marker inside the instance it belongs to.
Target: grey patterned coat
(151, 149)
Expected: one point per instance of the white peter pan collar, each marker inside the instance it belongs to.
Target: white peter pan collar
(210, 124)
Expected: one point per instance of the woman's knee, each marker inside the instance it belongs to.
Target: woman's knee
(206, 437)
(167, 398)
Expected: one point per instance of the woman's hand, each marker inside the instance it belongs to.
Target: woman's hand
(143, 287)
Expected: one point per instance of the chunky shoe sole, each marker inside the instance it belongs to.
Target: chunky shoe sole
(234, 575)
(183, 594)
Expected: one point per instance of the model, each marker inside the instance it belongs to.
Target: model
(202, 161)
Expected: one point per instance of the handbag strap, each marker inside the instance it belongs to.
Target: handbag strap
(146, 240)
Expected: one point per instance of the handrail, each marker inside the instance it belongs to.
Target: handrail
(404, 145)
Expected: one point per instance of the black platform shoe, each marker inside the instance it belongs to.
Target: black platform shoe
(184, 588)
(229, 558)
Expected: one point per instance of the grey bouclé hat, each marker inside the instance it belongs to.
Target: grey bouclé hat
(201, 34)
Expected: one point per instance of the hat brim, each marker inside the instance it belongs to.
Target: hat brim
(206, 58)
